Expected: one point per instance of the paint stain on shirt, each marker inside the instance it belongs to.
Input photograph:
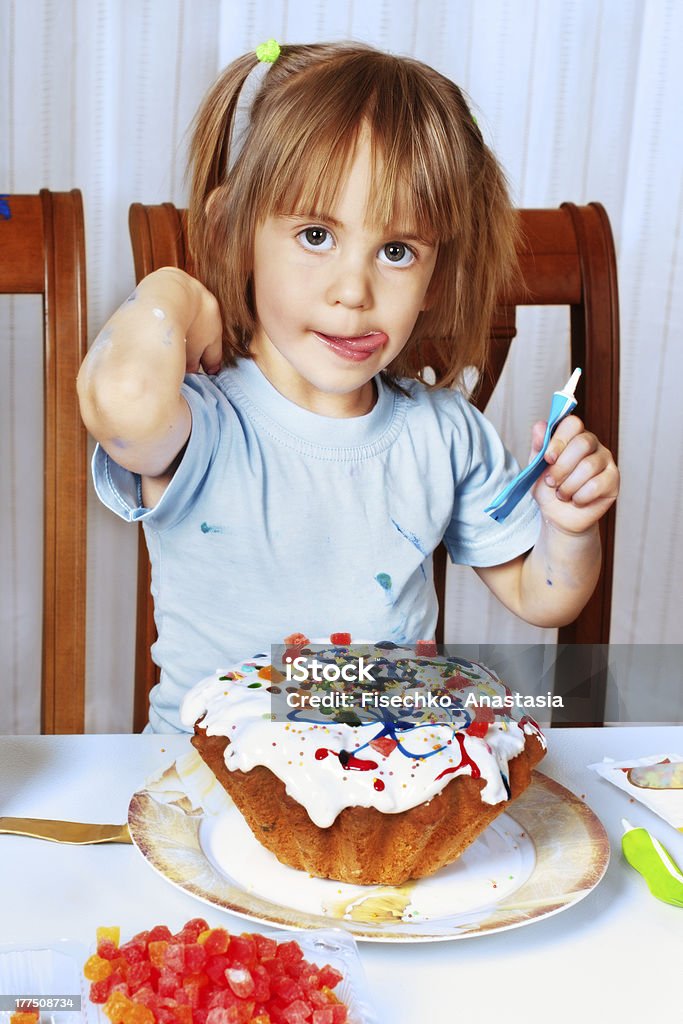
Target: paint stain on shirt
(415, 541)
(384, 580)
(207, 528)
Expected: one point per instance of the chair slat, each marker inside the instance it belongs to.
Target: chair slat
(42, 251)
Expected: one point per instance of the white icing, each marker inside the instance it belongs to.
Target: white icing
(324, 786)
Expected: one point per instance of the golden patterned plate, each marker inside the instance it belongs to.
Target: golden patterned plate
(542, 857)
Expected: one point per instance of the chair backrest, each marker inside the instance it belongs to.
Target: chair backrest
(42, 252)
(567, 259)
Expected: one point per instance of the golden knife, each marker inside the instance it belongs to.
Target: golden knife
(77, 832)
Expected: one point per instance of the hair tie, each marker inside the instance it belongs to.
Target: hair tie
(266, 54)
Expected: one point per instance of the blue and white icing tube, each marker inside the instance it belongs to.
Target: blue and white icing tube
(562, 404)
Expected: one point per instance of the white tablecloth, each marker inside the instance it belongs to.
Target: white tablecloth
(614, 957)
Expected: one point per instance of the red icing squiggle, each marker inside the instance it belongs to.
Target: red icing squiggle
(346, 760)
(466, 761)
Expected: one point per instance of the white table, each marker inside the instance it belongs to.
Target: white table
(614, 957)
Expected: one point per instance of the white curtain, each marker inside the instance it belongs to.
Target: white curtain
(582, 101)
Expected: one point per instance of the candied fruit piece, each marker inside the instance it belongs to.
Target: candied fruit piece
(426, 648)
(183, 1013)
(120, 965)
(296, 640)
(289, 952)
(242, 950)
(116, 1006)
(266, 947)
(174, 957)
(140, 1014)
(168, 982)
(261, 983)
(296, 1013)
(110, 934)
(101, 990)
(340, 1014)
(146, 995)
(135, 950)
(191, 929)
(477, 729)
(384, 745)
(341, 639)
(107, 949)
(159, 933)
(240, 981)
(287, 989)
(24, 1017)
(217, 941)
(195, 957)
(193, 985)
(138, 974)
(216, 967)
(329, 977)
(166, 1014)
(157, 953)
(96, 968)
(323, 1016)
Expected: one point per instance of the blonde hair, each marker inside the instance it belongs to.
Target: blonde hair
(434, 176)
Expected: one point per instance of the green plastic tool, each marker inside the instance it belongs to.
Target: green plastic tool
(649, 858)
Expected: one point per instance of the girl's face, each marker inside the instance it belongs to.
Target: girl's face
(336, 298)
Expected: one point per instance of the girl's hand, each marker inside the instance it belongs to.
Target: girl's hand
(204, 336)
(194, 308)
(581, 480)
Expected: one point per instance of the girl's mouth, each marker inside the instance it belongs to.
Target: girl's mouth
(355, 349)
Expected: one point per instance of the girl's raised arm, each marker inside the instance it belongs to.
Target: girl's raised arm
(129, 383)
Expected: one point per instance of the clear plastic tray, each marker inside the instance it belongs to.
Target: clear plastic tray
(57, 970)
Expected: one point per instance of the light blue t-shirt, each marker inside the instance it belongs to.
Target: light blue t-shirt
(279, 520)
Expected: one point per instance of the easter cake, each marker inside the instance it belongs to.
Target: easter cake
(378, 795)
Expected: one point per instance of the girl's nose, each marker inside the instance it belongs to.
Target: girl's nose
(350, 285)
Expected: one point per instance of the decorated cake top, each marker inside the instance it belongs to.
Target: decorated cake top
(391, 739)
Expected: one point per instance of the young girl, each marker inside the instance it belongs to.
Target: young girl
(345, 213)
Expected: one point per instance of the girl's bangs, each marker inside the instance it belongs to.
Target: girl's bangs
(415, 184)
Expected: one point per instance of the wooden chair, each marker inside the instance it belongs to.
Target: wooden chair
(42, 252)
(567, 259)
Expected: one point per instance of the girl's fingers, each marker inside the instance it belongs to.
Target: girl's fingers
(567, 430)
(578, 448)
(603, 487)
(587, 469)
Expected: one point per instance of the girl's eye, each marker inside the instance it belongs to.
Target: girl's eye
(316, 238)
(396, 254)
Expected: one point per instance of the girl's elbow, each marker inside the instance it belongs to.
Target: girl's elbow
(127, 407)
